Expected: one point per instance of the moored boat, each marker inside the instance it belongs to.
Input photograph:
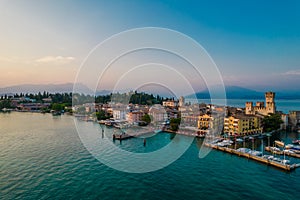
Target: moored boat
(296, 142)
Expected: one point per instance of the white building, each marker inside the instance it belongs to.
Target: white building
(119, 114)
(158, 113)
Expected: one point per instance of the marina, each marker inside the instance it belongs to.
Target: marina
(284, 152)
(261, 159)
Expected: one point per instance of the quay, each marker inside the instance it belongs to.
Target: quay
(266, 161)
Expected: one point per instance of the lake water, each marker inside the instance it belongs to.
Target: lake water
(281, 104)
(42, 157)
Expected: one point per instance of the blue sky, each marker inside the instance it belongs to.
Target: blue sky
(255, 44)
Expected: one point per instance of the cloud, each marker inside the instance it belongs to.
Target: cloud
(45, 59)
(55, 59)
(292, 72)
(12, 59)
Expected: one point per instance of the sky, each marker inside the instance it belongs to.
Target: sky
(254, 44)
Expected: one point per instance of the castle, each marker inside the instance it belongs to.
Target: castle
(260, 108)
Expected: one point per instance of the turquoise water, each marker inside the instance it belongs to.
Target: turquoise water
(42, 157)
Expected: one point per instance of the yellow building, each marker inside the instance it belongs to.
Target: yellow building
(212, 121)
(242, 125)
(204, 122)
(170, 103)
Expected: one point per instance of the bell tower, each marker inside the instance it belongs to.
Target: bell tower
(249, 108)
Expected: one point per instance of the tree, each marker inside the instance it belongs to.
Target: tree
(272, 122)
(174, 124)
(5, 104)
(101, 115)
(146, 118)
(58, 106)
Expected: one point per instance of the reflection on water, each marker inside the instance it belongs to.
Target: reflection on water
(42, 157)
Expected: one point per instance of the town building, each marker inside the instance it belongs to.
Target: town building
(119, 114)
(285, 119)
(134, 116)
(204, 122)
(242, 125)
(170, 103)
(32, 106)
(261, 107)
(158, 114)
(294, 120)
(90, 107)
(212, 121)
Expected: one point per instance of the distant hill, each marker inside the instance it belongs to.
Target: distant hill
(235, 92)
(103, 92)
(51, 88)
(232, 92)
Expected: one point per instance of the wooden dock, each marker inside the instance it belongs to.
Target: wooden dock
(121, 136)
(295, 155)
(266, 161)
(130, 134)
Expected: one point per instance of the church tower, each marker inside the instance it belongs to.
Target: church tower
(270, 103)
(181, 101)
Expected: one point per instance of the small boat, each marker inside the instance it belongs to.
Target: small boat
(239, 140)
(285, 162)
(122, 136)
(244, 150)
(296, 142)
(276, 159)
(56, 113)
(117, 125)
(279, 143)
(288, 151)
(274, 149)
(296, 148)
(255, 153)
(228, 141)
(289, 146)
(270, 157)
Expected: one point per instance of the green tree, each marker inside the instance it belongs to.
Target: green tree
(5, 104)
(146, 118)
(272, 122)
(57, 106)
(102, 115)
(174, 124)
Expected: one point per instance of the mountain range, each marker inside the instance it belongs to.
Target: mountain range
(33, 88)
(235, 92)
(232, 92)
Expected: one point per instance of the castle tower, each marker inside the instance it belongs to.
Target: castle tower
(270, 103)
(249, 108)
(260, 104)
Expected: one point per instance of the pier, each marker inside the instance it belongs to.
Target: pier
(295, 155)
(286, 167)
(121, 136)
(135, 133)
